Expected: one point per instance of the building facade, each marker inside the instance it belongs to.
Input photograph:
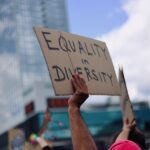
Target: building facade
(22, 63)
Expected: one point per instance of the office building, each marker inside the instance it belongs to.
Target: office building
(22, 63)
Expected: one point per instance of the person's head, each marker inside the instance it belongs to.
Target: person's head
(136, 136)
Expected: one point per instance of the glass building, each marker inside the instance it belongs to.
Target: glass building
(21, 60)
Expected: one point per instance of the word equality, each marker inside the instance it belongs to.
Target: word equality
(65, 73)
(68, 45)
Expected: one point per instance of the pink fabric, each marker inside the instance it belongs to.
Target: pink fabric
(124, 145)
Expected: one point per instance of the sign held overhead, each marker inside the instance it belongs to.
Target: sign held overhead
(66, 54)
(126, 106)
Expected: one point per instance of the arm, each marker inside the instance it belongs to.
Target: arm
(46, 120)
(44, 144)
(124, 134)
(81, 138)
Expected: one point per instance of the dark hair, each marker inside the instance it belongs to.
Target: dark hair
(136, 136)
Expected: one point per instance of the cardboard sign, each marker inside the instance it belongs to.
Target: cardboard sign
(126, 106)
(66, 54)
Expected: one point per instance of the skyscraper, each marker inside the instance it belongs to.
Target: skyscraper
(21, 60)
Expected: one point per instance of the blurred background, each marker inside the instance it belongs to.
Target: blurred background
(25, 85)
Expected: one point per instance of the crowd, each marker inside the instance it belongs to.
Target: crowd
(129, 138)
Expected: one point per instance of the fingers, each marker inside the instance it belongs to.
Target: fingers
(73, 85)
(77, 81)
(129, 124)
(133, 124)
(82, 81)
(80, 91)
(79, 84)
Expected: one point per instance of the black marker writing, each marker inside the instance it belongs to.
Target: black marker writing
(48, 42)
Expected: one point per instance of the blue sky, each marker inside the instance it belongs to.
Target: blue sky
(93, 18)
(124, 26)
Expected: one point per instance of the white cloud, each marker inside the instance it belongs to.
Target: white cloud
(129, 46)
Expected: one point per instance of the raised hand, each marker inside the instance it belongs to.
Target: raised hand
(129, 125)
(80, 91)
